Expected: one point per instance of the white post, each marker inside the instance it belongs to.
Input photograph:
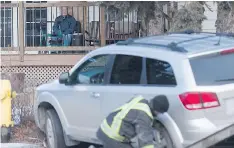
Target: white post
(15, 26)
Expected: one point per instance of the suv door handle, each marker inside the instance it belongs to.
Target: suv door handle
(95, 95)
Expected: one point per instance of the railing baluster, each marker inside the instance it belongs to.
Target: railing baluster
(12, 35)
(114, 35)
(88, 29)
(128, 25)
(33, 26)
(18, 26)
(21, 30)
(99, 32)
(51, 20)
(83, 26)
(122, 15)
(102, 26)
(4, 26)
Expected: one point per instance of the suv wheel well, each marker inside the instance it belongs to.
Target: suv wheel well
(43, 107)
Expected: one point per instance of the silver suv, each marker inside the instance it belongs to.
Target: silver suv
(195, 71)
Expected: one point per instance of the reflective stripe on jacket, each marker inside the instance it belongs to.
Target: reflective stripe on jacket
(130, 120)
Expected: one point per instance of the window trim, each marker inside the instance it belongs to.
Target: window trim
(105, 71)
(111, 69)
(5, 24)
(30, 40)
(157, 85)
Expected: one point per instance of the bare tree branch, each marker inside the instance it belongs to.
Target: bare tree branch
(208, 7)
(165, 15)
(229, 5)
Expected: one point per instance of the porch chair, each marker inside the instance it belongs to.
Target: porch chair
(92, 35)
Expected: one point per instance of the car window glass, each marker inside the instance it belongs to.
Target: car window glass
(92, 71)
(126, 70)
(213, 70)
(159, 72)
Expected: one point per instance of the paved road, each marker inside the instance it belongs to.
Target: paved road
(229, 143)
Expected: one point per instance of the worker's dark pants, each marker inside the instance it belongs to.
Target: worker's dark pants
(115, 144)
(111, 143)
(67, 39)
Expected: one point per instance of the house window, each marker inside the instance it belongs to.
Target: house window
(6, 26)
(34, 28)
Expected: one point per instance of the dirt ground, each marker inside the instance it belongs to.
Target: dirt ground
(27, 132)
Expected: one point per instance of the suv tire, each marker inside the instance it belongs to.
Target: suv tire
(54, 130)
(166, 139)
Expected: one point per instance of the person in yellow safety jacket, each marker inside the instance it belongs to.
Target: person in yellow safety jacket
(132, 120)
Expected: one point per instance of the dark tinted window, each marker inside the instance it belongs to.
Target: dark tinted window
(126, 70)
(213, 70)
(92, 71)
(159, 72)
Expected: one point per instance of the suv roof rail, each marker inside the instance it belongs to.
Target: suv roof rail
(126, 42)
(190, 31)
(173, 46)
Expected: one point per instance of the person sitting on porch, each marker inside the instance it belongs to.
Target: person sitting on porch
(66, 24)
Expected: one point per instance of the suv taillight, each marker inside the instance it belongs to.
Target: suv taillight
(229, 51)
(199, 100)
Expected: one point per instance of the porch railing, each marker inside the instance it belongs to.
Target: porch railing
(32, 27)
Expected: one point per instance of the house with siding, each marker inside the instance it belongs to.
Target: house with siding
(208, 25)
(35, 15)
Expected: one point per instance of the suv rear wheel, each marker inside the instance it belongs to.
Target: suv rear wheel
(54, 130)
(162, 137)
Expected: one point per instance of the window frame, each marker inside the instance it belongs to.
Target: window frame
(112, 62)
(157, 85)
(77, 70)
(5, 23)
(30, 35)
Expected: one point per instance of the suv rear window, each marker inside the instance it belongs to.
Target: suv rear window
(159, 72)
(213, 70)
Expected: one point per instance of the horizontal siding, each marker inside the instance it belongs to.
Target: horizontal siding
(209, 24)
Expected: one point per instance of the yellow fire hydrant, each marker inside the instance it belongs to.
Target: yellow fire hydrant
(6, 94)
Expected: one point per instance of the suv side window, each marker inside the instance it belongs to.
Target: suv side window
(92, 71)
(126, 70)
(159, 72)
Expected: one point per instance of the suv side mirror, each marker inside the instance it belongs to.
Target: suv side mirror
(63, 78)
